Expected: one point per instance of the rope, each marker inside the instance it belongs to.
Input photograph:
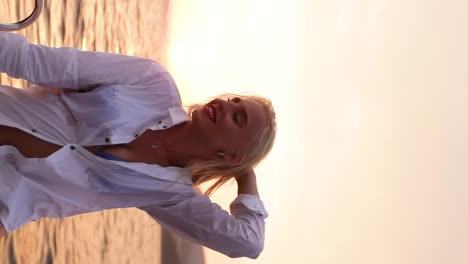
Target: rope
(25, 22)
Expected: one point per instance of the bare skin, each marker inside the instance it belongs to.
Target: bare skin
(34, 147)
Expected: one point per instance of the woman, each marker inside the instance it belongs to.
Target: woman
(113, 134)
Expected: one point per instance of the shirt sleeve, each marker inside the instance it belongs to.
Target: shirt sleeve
(239, 234)
(69, 67)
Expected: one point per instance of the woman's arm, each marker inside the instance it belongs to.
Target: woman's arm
(196, 218)
(247, 183)
(69, 67)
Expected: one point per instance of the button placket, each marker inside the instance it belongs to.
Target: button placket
(165, 123)
(161, 124)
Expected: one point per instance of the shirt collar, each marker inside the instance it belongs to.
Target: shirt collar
(178, 115)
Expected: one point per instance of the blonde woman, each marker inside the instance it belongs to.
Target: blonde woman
(100, 131)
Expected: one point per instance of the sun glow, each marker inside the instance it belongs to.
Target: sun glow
(222, 46)
(370, 160)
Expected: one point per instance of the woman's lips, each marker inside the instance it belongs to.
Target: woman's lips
(211, 112)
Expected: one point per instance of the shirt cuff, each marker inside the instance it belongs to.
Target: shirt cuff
(251, 202)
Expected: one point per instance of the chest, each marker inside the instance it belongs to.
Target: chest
(30, 146)
(139, 150)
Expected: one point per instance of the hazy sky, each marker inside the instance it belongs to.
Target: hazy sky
(370, 160)
(251, 46)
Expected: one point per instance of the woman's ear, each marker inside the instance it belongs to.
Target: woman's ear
(231, 158)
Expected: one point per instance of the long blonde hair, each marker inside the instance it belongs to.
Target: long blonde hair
(257, 149)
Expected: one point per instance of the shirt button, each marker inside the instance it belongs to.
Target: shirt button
(34, 130)
(107, 139)
(159, 122)
(72, 147)
(164, 126)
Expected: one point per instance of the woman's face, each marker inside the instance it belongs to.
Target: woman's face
(230, 125)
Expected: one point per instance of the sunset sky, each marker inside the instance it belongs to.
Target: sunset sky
(248, 46)
(369, 162)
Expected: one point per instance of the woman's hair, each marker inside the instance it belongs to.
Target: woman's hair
(257, 149)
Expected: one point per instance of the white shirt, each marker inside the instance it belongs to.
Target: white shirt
(117, 98)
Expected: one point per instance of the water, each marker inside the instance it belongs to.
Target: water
(113, 236)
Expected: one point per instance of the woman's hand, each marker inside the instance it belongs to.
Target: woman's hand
(247, 183)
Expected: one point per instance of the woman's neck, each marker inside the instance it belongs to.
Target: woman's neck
(180, 145)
